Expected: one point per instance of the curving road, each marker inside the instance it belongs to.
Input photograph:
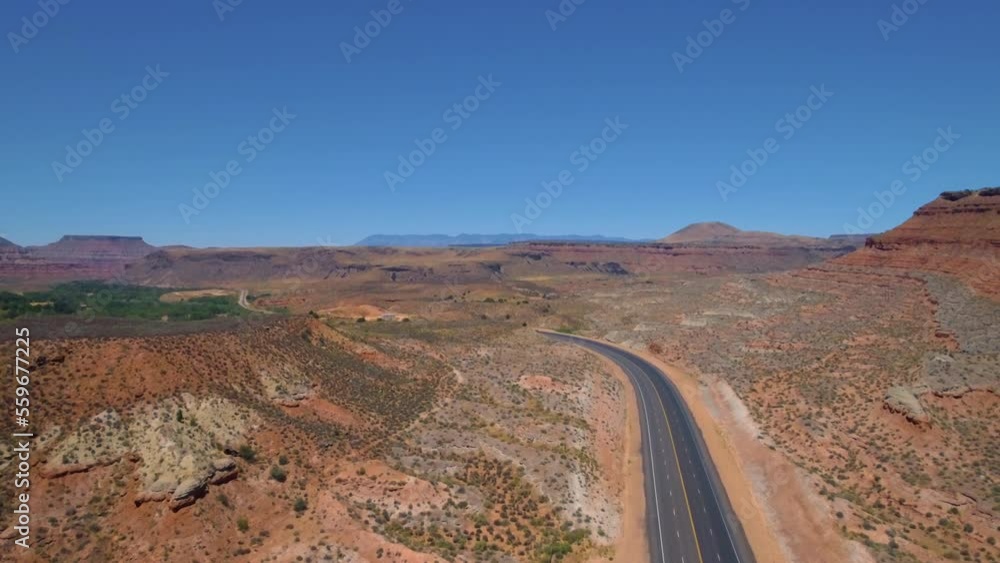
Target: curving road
(688, 517)
(242, 301)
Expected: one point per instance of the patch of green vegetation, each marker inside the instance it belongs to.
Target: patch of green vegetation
(300, 505)
(99, 299)
(247, 452)
(278, 474)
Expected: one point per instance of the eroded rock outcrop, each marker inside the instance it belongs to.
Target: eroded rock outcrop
(902, 400)
(286, 388)
(174, 445)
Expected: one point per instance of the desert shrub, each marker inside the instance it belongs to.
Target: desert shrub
(248, 453)
(556, 550)
(300, 505)
(278, 474)
(242, 524)
(957, 195)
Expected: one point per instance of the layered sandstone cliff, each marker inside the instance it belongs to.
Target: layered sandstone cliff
(957, 234)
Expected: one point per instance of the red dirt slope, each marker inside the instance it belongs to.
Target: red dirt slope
(956, 234)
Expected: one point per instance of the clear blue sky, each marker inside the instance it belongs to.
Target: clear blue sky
(322, 177)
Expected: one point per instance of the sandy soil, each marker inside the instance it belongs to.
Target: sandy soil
(178, 296)
(368, 312)
(315, 408)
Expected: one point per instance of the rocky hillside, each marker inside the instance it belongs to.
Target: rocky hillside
(277, 268)
(293, 439)
(75, 248)
(712, 257)
(134, 429)
(701, 232)
(9, 251)
(73, 257)
(721, 234)
(956, 234)
(708, 248)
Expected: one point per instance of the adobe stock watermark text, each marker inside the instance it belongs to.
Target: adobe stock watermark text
(581, 159)
(759, 156)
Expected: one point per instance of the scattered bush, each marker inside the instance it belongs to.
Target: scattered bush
(957, 195)
(246, 452)
(278, 474)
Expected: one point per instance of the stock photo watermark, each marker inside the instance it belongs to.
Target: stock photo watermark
(122, 107)
(250, 148)
(759, 156)
(22, 437)
(223, 7)
(899, 16)
(563, 11)
(33, 24)
(913, 169)
(456, 115)
(363, 35)
(714, 28)
(581, 159)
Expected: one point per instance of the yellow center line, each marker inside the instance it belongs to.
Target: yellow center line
(677, 458)
(680, 473)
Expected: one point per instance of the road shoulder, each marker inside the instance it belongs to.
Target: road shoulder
(631, 545)
(753, 518)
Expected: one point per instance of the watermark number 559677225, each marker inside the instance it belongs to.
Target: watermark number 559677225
(22, 439)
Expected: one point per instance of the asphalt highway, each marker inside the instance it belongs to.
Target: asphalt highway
(688, 517)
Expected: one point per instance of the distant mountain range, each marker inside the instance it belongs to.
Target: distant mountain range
(478, 240)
